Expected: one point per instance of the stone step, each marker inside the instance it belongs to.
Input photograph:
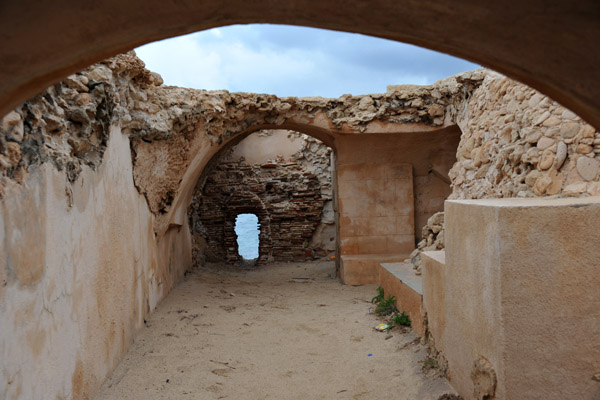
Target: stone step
(398, 279)
(363, 269)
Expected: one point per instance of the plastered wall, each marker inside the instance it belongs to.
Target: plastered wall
(426, 157)
(514, 306)
(80, 269)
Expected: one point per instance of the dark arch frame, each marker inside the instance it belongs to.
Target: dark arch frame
(545, 44)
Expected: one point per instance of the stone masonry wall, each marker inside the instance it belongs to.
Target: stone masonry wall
(517, 142)
(288, 197)
(68, 124)
(171, 128)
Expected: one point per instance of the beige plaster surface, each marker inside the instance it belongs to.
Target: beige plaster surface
(521, 290)
(376, 183)
(431, 156)
(80, 271)
(107, 227)
(258, 148)
(363, 269)
(376, 208)
(433, 269)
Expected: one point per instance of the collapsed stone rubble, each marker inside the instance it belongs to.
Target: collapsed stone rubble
(432, 239)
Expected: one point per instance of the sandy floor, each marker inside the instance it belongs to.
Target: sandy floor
(283, 331)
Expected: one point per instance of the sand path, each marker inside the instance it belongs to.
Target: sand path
(282, 331)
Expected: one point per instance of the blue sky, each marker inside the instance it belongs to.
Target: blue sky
(294, 61)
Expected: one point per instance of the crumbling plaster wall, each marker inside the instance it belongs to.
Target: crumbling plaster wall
(80, 271)
(424, 153)
(80, 265)
(518, 143)
(191, 126)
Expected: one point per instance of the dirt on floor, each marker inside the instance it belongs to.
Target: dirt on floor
(280, 331)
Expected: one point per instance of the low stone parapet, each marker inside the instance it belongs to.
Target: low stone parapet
(515, 309)
(399, 280)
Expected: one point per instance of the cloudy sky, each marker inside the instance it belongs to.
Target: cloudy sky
(294, 61)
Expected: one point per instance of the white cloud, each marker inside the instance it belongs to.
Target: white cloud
(293, 61)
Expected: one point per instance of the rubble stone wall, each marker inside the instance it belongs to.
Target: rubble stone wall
(518, 143)
(288, 195)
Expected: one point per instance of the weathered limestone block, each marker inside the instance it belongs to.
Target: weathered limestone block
(519, 291)
(587, 168)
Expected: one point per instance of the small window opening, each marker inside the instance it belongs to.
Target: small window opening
(247, 231)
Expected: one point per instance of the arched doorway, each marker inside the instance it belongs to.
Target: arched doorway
(285, 179)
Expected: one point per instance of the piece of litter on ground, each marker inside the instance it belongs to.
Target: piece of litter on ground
(369, 355)
(383, 327)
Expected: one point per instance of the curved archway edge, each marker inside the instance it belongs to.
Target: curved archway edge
(545, 45)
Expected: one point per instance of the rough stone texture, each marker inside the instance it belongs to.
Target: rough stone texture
(432, 239)
(484, 379)
(185, 121)
(175, 131)
(492, 34)
(68, 123)
(287, 196)
(518, 143)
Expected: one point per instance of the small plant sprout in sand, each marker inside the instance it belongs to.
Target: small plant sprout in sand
(401, 319)
(377, 299)
(387, 307)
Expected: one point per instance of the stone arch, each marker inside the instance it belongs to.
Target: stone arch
(211, 122)
(206, 157)
(38, 51)
(196, 125)
(221, 227)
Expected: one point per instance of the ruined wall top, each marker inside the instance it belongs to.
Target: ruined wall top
(68, 123)
(515, 141)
